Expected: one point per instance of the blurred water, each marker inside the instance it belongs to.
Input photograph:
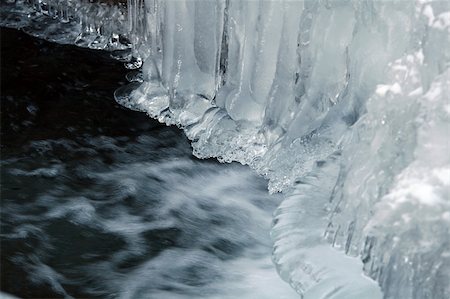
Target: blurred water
(101, 202)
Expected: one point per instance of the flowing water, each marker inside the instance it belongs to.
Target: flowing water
(99, 201)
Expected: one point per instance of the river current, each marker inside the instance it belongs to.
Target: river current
(98, 201)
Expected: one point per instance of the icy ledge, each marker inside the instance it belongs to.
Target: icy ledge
(303, 257)
(288, 87)
(95, 25)
(86, 23)
(343, 105)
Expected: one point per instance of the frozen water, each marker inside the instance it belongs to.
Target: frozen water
(84, 23)
(287, 86)
(291, 83)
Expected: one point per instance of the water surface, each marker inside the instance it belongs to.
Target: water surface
(101, 202)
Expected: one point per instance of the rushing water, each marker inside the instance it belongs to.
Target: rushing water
(99, 201)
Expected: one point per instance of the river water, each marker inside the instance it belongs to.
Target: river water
(98, 201)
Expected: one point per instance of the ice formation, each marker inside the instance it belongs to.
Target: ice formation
(343, 105)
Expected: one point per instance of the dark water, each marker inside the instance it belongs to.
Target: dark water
(98, 201)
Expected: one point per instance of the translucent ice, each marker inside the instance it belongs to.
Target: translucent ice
(343, 105)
